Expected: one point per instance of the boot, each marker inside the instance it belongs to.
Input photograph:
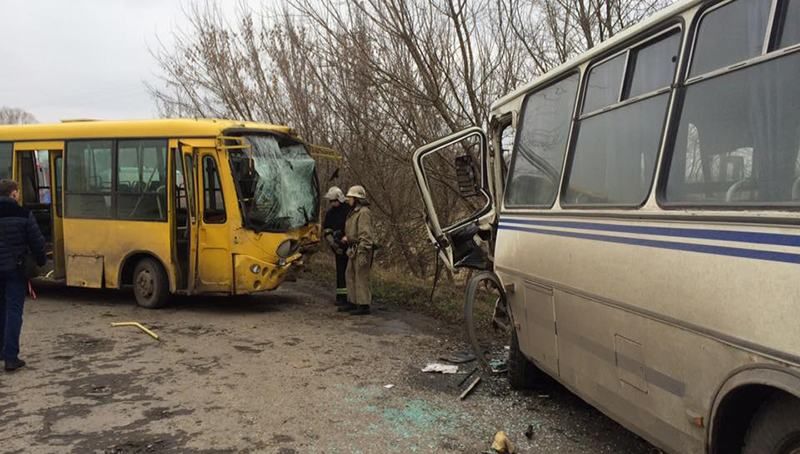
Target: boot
(341, 303)
(348, 307)
(361, 309)
(14, 364)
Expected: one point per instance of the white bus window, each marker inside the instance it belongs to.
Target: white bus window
(616, 151)
(615, 155)
(88, 183)
(790, 28)
(541, 145)
(5, 160)
(729, 34)
(605, 81)
(739, 138)
(653, 66)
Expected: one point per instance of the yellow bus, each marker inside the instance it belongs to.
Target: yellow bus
(644, 226)
(167, 206)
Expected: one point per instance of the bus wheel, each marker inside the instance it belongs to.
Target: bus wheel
(522, 372)
(150, 284)
(775, 428)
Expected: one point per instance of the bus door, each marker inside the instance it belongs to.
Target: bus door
(56, 159)
(184, 216)
(38, 168)
(214, 259)
(453, 178)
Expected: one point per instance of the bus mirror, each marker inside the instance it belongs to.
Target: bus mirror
(467, 175)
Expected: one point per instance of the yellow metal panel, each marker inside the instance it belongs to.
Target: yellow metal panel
(199, 143)
(85, 271)
(39, 145)
(116, 241)
(138, 128)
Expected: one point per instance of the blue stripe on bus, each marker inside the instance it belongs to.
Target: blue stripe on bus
(771, 256)
(776, 239)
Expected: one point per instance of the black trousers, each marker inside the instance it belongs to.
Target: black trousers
(341, 283)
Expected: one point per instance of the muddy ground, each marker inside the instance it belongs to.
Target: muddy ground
(277, 373)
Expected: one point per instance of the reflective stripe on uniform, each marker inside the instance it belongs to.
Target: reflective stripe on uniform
(341, 291)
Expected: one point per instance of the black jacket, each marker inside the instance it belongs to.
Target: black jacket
(335, 219)
(19, 235)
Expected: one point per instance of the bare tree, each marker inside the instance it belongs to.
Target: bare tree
(376, 79)
(15, 116)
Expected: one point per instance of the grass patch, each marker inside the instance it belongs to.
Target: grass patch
(400, 289)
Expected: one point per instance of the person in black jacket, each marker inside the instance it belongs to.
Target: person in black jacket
(333, 231)
(19, 236)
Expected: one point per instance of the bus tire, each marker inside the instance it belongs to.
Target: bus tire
(775, 428)
(150, 284)
(522, 373)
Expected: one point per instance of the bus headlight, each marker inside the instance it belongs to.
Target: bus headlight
(287, 248)
(255, 268)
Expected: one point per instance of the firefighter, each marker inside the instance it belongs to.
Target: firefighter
(360, 240)
(333, 232)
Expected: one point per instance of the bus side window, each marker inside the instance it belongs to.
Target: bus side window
(88, 179)
(789, 33)
(617, 168)
(214, 202)
(738, 140)
(142, 179)
(541, 145)
(729, 34)
(57, 162)
(5, 160)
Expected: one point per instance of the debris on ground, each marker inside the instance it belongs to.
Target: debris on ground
(138, 325)
(502, 444)
(529, 432)
(389, 386)
(498, 366)
(441, 368)
(469, 388)
(458, 357)
(464, 380)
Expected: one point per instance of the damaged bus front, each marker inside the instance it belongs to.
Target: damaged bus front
(277, 192)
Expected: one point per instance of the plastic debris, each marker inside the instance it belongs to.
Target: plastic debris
(440, 368)
(502, 444)
(389, 386)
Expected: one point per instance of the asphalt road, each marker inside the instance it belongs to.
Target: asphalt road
(277, 373)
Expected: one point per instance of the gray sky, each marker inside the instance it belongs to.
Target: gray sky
(84, 58)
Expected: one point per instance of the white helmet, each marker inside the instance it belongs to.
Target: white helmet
(334, 193)
(357, 192)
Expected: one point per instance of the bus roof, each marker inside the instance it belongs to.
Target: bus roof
(501, 107)
(178, 128)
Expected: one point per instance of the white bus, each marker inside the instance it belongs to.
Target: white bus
(645, 225)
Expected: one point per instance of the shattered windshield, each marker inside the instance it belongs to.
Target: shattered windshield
(277, 184)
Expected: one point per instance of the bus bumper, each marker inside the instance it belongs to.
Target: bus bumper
(252, 275)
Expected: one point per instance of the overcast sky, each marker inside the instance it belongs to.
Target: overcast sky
(63, 59)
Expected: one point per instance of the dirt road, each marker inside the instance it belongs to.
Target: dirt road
(279, 373)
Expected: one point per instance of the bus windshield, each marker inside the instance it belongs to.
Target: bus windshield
(276, 183)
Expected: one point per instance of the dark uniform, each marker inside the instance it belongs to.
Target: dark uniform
(19, 236)
(333, 229)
